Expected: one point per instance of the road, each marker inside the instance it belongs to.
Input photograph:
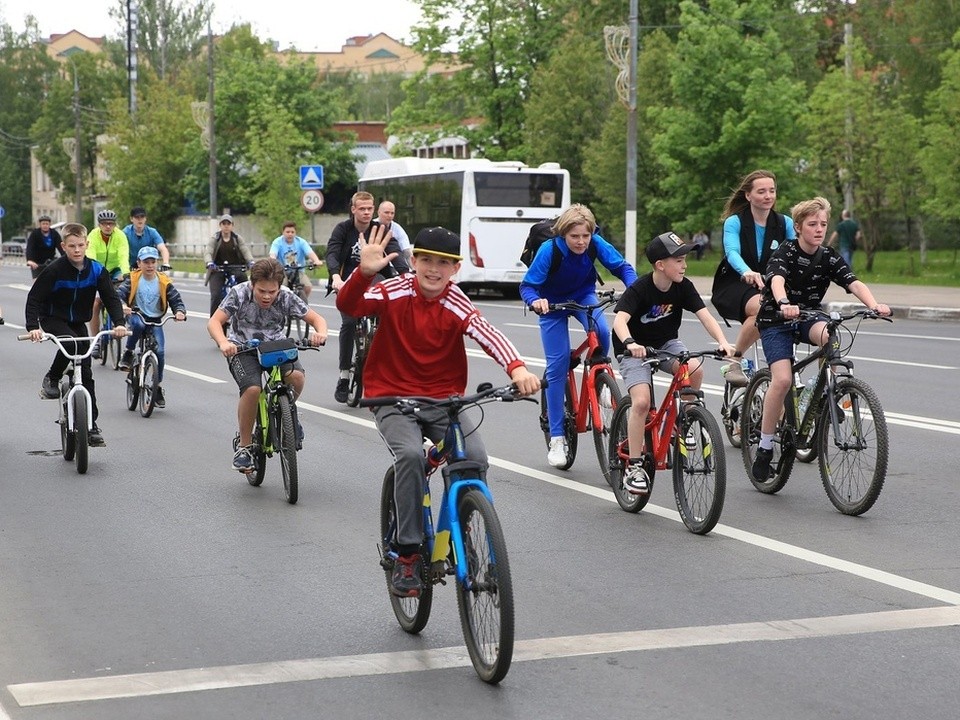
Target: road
(161, 585)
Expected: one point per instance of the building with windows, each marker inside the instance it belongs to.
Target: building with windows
(371, 54)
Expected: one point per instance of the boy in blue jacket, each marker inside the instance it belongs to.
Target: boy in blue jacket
(574, 280)
(60, 302)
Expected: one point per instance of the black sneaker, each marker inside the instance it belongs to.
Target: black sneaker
(95, 437)
(405, 581)
(95, 354)
(126, 360)
(49, 389)
(158, 399)
(342, 391)
(761, 465)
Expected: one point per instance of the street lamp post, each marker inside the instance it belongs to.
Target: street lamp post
(621, 45)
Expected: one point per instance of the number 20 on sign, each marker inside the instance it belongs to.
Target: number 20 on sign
(311, 200)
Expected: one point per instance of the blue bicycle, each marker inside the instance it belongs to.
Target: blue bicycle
(467, 541)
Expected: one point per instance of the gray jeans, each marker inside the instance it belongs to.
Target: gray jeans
(404, 435)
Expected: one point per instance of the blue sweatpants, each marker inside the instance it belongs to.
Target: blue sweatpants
(556, 348)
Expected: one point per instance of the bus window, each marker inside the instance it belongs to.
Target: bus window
(542, 190)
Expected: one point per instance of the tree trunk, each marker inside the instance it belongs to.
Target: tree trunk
(923, 242)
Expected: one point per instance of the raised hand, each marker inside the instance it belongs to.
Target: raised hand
(373, 248)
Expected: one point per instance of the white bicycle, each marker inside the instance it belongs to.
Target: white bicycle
(76, 405)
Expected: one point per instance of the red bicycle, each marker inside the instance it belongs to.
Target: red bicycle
(680, 435)
(592, 407)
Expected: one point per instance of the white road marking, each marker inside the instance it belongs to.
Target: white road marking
(194, 375)
(313, 669)
(794, 551)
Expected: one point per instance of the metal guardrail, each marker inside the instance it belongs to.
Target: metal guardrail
(11, 249)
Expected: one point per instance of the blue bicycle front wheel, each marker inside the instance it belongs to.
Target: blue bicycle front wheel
(485, 598)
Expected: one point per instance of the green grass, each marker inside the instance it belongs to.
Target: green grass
(895, 267)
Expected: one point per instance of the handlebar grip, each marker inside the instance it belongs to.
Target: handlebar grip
(23, 337)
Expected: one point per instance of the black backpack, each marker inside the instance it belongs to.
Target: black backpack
(541, 232)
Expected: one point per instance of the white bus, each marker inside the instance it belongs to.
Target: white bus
(490, 205)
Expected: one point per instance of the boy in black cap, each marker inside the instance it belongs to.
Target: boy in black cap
(648, 315)
(140, 235)
(418, 349)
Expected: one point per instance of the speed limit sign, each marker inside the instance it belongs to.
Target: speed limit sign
(311, 200)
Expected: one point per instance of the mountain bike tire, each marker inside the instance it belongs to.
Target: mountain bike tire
(412, 612)
(854, 478)
(287, 449)
(485, 600)
(608, 397)
(699, 471)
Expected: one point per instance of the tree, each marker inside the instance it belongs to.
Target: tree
(499, 45)
(170, 32)
(252, 86)
(275, 186)
(940, 158)
(604, 157)
(100, 96)
(25, 72)
(906, 38)
(734, 107)
(860, 134)
(571, 95)
(145, 159)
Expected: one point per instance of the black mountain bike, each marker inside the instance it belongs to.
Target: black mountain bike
(844, 423)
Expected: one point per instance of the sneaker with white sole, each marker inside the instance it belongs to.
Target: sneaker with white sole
(243, 459)
(635, 480)
(557, 452)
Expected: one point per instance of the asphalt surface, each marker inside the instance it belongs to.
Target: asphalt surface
(161, 585)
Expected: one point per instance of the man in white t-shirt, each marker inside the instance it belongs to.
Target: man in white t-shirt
(385, 214)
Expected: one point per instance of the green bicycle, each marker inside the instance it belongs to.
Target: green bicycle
(276, 427)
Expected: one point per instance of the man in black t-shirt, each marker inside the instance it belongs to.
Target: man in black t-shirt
(649, 315)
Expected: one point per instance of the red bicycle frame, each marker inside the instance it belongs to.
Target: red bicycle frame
(587, 397)
(661, 424)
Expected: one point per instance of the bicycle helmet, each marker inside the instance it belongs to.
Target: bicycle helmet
(106, 216)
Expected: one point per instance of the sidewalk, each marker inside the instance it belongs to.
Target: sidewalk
(913, 302)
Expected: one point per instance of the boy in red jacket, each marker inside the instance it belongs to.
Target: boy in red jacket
(418, 349)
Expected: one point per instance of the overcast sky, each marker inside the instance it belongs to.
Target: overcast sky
(306, 24)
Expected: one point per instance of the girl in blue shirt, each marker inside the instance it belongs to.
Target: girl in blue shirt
(752, 231)
(573, 280)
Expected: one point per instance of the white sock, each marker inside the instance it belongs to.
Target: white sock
(766, 441)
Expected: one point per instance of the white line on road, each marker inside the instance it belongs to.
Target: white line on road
(194, 375)
(313, 669)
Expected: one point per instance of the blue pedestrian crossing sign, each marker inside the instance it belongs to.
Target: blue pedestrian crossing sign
(311, 177)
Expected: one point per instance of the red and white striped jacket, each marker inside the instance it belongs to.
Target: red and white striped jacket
(418, 348)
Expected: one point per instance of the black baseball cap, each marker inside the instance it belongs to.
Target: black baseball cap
(666, 245)
(138, 211)
(438, 241)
